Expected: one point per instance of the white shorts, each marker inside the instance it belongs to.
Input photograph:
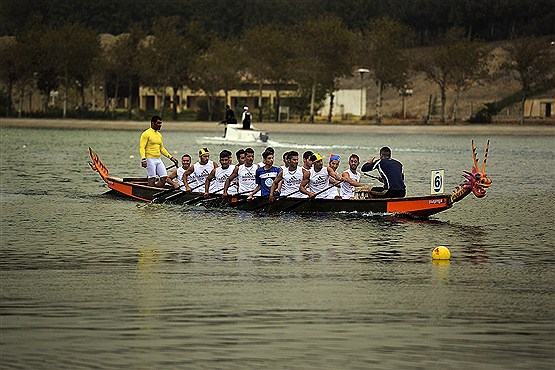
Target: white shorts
(155, 166)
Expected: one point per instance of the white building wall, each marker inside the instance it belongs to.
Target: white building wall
(346, 102)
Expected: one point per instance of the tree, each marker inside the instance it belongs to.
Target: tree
(324, 53)
(468, 66)
(79, 47)
(8, 68)
(162, 57)
(382, 53)
(455, 63)
(167, 55)
(218, 68)
(268, 52)
(531, 62)
(122, 62)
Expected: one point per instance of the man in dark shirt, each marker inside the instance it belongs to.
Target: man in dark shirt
(391, 174)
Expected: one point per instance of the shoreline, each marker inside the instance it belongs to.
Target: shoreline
(301, 128)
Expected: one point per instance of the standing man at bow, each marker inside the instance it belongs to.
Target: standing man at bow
(150, 148)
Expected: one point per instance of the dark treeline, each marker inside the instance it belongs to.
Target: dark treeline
(486, 20)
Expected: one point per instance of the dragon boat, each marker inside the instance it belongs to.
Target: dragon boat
(475, 182)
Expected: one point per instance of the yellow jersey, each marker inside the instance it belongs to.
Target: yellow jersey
(150, 145)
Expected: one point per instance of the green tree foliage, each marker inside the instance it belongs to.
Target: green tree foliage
(122, 62)
(324, 52)
(218, 68)
(487, 20)
(382, 51)
(469, 66)
(268, 54)
(8, 70)
(532, 63)
(456, 63)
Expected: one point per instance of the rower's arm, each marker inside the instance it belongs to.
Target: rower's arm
(277, 181)
(333, 174)
(228, 181)
(254, 192)
(352, 182)
(184, 177)
(304, 183)
(208, 180)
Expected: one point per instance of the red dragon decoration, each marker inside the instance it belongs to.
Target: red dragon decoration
(476, 181)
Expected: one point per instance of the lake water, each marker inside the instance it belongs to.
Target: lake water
(90, 280)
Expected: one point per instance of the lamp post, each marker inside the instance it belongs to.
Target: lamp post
(362, 71)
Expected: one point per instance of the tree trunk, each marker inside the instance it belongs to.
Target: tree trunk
(20, 103)
(332, 97)
(163, 105)
(455, 106)
(174, 98)
(64, 105)
(379, 102)
(312, 98)
(116, 94)
(277, 104)
(522, 109)
(130, 99)
(443, 101)
(260, 113)
(10, 101)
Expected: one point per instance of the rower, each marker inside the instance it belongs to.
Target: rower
(215, 182)
(333, 163)
(246, 173)
(266, 175)
(201, 169)
(177, 174)
(317, 179)
(289, 179)
(351, 177)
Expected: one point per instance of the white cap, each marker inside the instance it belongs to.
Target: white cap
(245, 108)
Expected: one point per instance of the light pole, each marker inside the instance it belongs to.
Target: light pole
(362, 71)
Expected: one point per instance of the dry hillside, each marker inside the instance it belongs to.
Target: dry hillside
(471, 100)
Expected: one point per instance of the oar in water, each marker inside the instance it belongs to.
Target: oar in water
(157, 196)
(240, 201)
(209, 197)
(200, 199)
(275, 200)
(305, 200)
(181, 193)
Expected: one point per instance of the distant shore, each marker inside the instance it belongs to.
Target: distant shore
(478, 129)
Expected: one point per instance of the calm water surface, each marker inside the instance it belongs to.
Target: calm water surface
(90, 280)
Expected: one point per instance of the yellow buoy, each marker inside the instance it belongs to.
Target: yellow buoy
(441, 253)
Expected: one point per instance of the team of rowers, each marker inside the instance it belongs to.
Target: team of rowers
(311, 179)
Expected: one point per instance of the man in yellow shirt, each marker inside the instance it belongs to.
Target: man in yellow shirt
(150, 148)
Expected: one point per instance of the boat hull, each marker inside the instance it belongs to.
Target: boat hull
(136, 188)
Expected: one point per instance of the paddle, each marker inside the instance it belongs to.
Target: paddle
(240, 201)
(181, 193)
(276, 199)
(374, 177)
(199, 198)
(173, 165)
(305, 200)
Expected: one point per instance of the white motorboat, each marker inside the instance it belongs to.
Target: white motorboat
(235, 134)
